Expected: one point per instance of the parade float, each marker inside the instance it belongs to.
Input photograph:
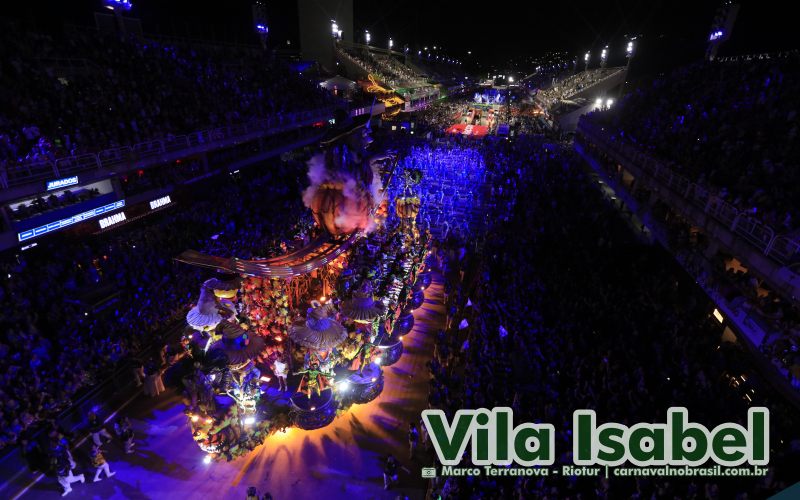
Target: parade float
(296, 339)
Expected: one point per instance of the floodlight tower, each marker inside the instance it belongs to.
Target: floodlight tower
(586, 61)
(630, 50)
(604, 57)
(260, 22)
(721, 27)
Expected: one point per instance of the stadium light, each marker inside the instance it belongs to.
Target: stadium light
(391, 43)
(124, 5)
(367, 36)
(510, 79)
(335, 29)
(629, 48)
(603, 57)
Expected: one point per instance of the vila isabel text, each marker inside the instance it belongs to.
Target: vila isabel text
(496, 441)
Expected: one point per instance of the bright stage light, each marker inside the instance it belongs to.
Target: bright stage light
(313, 408)
(125, 5)
(367, 37)
(264, 378)
(609, 102)
(378, 360)
(249, 420)
(195, 418)
(207, 459)
(391, 43)
(374, 379)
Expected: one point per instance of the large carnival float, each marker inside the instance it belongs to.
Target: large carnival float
(295, 339)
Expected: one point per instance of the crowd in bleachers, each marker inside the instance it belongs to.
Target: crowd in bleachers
(372, 66)
(570, 86)
(401, 75)
(83, 91)
(571, 311)
(775, 316)
(53, 344)
(391, 71)
(729, 126)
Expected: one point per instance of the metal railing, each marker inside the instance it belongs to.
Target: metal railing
(780, 248)
(25, 173)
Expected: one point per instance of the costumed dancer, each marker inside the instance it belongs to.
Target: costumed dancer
(313, 379)
(63, 466)
(100, 464)
(281, 370)
(125, 432)
(96, 429)
(365, 355)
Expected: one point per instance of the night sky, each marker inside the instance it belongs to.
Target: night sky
(672, 32)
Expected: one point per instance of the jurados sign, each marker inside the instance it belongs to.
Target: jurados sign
(61, 183)
(495, 440)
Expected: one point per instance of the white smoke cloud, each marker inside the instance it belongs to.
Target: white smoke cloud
(354, 211)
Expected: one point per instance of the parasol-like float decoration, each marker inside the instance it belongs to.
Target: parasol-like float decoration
(362, 307)
(318, 332)
(205, 315)
(237, 344)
